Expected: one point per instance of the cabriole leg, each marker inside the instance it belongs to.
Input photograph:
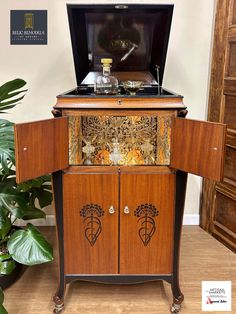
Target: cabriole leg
(181, 181)
(58, 201)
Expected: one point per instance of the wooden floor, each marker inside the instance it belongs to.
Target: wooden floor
(202, 258)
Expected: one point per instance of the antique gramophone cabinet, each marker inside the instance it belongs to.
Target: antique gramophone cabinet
(119, 162)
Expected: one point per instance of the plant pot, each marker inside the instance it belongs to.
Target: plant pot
(7, 280)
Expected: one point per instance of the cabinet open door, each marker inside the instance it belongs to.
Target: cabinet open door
(198, 147)
(41, 147)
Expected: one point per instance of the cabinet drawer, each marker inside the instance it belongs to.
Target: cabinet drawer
(119, 103)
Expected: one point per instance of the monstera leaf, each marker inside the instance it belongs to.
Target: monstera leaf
(7, 156)
(5, 224)
(9, 98)
(19, 200)
(11, 199)
(29, 247)
(9, 93)
(39, 189)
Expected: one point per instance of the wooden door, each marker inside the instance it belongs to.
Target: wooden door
(146, 223)
(41, 147)
(218, 212)
(198, 147)
(90, 208)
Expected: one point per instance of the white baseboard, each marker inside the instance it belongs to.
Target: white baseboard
(189, 219)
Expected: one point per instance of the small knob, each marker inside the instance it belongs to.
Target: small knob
(111, 210)
(126, 210)
(119, 102)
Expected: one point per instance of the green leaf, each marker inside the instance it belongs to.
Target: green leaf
(7, 264)
(34, 213)
(7, 155)
(44, 197)
(37, 183)
(1, 296)
(19, 200)
(11, 86)
(15, 203)
(29, 247)
(2, 308)
(39, 190)
(6, 108)
(5, 123)
(5, 224)
(13, 94)
(11, 199)
(9, 90)
(4, 257)
(5, 104)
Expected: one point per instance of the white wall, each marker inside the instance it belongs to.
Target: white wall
(49, 70)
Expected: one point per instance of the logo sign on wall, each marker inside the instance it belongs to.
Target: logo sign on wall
(216, 296)
(28, 27)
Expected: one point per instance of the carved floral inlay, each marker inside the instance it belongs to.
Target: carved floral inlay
(93, 225)
(147, 226)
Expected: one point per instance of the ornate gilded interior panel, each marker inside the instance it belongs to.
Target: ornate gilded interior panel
(120, 140)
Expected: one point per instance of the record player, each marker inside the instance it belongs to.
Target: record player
(135, 37)
(119, 162)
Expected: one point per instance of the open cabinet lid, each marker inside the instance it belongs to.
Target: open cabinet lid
(135, 36)
(41, 147)
(198, 147)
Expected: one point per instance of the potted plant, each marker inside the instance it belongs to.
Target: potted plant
(25, 201)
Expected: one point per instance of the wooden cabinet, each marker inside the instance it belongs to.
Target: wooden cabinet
(124, 221)
(119, 223)
(119, 162)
